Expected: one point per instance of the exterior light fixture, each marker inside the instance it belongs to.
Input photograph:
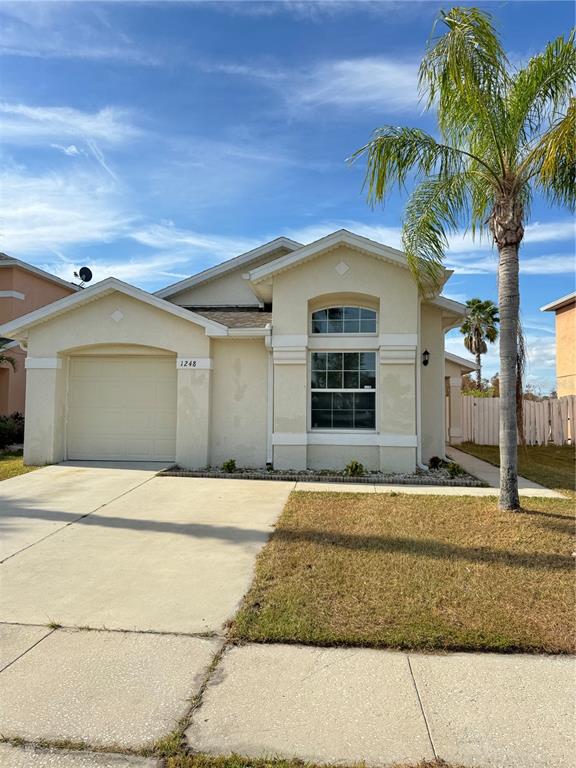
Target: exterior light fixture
(425, 357)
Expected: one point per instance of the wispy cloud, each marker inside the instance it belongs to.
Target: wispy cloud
(55, 30)
(314, 11)
(22, 123)
(53, 211)
(143, 270)
(376, 82)
(197, 245)
(70, 151)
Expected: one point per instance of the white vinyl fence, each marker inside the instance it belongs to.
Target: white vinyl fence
(547, 421)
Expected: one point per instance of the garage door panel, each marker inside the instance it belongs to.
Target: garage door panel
(122, 408)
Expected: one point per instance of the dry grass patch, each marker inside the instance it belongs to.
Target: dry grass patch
(236, 761)
(414, 572)
(12, 464)
(553, 466)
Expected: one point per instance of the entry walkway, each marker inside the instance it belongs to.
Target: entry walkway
(491, 474)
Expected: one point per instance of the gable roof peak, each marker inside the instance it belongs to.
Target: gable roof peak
(243, 260)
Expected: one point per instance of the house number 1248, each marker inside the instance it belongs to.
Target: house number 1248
(187, 362)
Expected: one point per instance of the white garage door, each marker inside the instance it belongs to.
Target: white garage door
(122, 408)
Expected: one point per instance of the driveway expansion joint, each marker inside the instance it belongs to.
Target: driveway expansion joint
(27, 650)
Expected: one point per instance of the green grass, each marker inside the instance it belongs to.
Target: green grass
(552, 466)
(413, 572)
(12, 464)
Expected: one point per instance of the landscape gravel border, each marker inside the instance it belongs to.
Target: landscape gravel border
(466, 481)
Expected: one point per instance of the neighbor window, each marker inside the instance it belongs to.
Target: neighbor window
(343, 390)
(344, 320)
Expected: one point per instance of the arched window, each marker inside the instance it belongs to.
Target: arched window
(344, 320)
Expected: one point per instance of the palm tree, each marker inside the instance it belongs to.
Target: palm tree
(505, 133)
(478, 328)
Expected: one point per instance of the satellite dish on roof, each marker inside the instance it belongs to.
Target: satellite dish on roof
(84, 274)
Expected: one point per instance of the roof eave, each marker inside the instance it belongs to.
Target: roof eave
(326, 243)
(18, 328)
(227, 266)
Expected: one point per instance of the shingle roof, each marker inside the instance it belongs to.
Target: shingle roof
(236, 318)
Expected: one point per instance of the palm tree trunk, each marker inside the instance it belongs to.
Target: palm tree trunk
(478, 370)
(508, 232)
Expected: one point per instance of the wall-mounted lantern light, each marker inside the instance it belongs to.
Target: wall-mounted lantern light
(425, 357)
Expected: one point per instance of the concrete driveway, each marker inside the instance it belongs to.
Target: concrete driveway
(124, 549)
(116, 580)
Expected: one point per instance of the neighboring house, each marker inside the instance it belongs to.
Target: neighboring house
(454, 368)
(565, 309)
(23, 288)
(291, 355)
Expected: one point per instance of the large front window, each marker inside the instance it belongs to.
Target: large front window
(344, 320)
(343, 390)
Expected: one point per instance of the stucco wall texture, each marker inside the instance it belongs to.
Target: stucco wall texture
(566, 350)
(33, 291)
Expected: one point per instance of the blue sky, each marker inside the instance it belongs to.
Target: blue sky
(152, 140)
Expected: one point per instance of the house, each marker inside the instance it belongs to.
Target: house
(23, 288)
(290, 355)
(565, 310)
(454, 368)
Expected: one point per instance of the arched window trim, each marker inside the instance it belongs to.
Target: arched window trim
(359, 316)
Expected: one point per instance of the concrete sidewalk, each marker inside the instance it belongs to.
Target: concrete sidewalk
(491, 474)
(336, 705)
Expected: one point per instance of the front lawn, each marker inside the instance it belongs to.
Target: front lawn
(415, 572)
(12, 464)
(550, 465)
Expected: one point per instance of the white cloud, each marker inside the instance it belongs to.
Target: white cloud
(52, 211)
(315, 10)
(195, 244)
(56, 30)
(378, 82)
(142, 270)
(71, 150)
(386, 84)
(28, 124)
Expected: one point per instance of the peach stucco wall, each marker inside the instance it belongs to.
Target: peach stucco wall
(37, 292)
(565, 350)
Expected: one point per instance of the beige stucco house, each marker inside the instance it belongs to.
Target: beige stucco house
(565, 311)
(299, 356)
(23, 288)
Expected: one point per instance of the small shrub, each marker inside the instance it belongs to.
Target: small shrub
(354, 469)
(11, 429)
(436, 462)
(454, 469)
(229, 465)
(18, 422)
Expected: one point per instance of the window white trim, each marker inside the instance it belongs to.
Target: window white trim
(337, 334)
(12, 295)
(339, 430)
(381, 440)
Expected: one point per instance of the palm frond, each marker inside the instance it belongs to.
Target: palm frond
(437, 206)
(395, 152)
(552, 163)
(464, 73)
(541, 89)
